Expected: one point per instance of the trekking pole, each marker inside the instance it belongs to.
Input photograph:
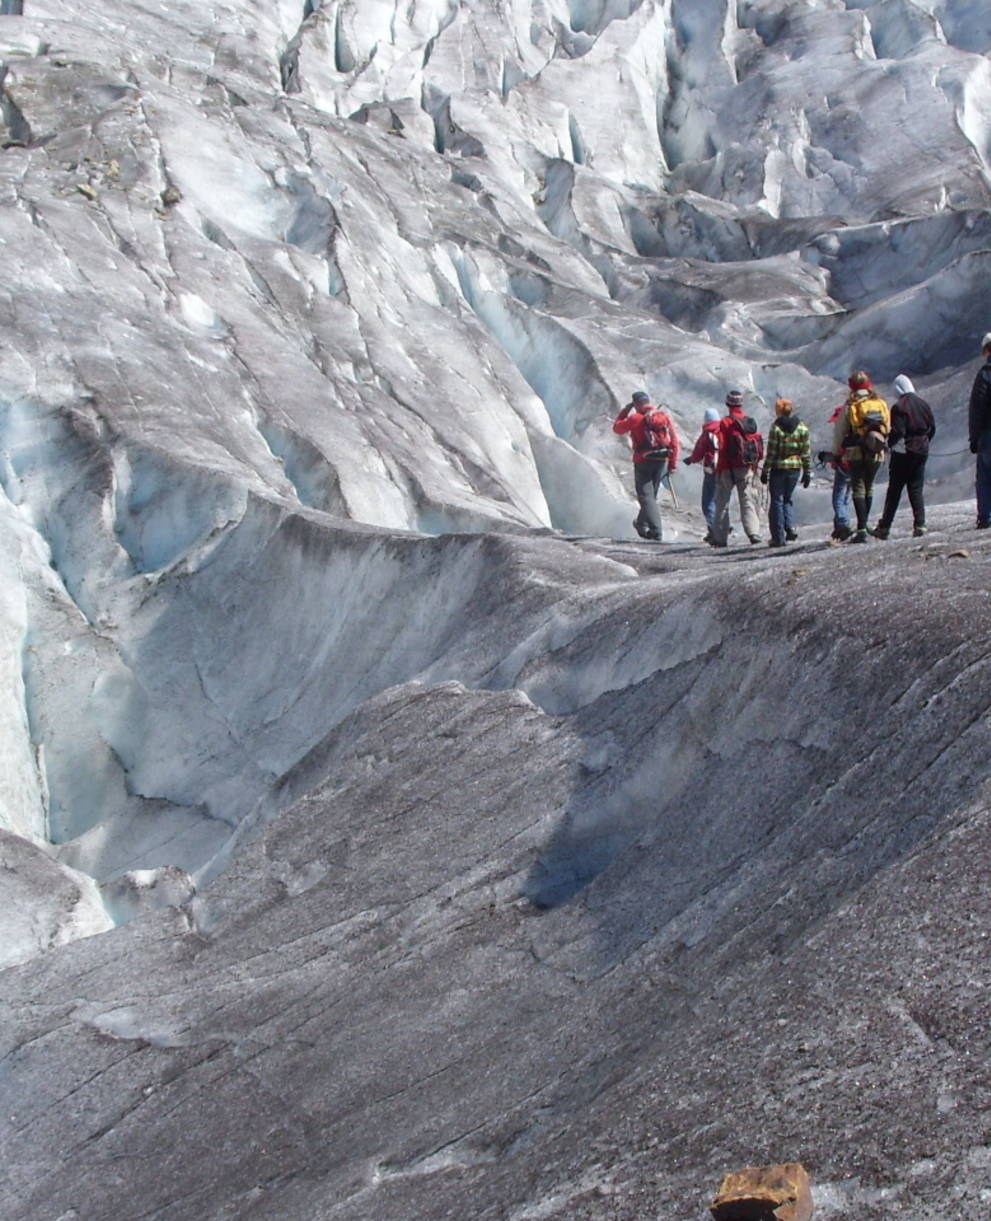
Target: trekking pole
(666, 480)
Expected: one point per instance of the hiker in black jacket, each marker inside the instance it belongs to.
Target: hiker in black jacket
(912, 428)
(980, 434)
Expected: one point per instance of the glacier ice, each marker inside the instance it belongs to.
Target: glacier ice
(315, 319)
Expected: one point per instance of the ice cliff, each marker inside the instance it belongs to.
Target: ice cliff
(450, 852)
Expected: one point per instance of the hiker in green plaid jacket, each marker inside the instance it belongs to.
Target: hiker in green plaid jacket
(788, 459)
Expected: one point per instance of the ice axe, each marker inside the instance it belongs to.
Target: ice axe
(666, 480)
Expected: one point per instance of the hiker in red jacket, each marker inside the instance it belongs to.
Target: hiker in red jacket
(741, 448)
(706, 451)
(655, 455)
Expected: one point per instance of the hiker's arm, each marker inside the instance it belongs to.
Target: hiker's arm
(675, 450)
(980, 401)
(840, 430)
(624, 422)
(897, 430)
(773, 444)
(806, 456)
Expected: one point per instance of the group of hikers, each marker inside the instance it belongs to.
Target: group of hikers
(733, 457)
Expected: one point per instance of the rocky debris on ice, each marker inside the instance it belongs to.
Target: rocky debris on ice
(529, 949)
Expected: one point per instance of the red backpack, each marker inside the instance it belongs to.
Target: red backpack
(657, 435)
(744, 445)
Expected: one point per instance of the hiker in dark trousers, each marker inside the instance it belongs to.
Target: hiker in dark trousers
(979, 422)
(655, 454)
(859, 438)
(741, 447)
(789, 458)
(912, 428)
(706, 451)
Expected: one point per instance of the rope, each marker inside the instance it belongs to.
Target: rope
(954, 453)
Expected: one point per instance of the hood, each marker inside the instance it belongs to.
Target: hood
(787, 423)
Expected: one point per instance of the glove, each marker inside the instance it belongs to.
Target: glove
(688, 461)
(763, 475)
(806, 478)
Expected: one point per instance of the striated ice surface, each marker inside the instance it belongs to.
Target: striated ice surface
(506, 868)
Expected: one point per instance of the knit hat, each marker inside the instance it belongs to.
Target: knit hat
(734, 398)
(711, 414)
(641, 396)
(903, 385)
(858, 380)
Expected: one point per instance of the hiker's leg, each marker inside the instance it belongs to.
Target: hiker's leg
(897, 475)
(647, 478)
(744, 481)
(777, 487)
(858, 493)
(789, 484)
(871, 468)
(841, 499)
(983, 477)
(720, 525)
(916, 483)
(709, 499)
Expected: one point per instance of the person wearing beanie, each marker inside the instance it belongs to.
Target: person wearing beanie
(706, 451)
(979, 427)
(741, 448)
(912, 428)
(655, 455)
(789, 458)
(859, 437)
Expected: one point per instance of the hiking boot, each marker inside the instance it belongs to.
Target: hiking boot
(841, 533)
(982, 525)
(755, 538)
(714, 542)
(881, 532)
(791, 536)
(774, 542)
(919, 531)
(860, 536)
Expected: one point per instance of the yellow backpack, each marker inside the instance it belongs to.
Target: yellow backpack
(870, 422)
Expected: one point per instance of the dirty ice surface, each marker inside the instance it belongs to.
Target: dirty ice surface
(336, 682)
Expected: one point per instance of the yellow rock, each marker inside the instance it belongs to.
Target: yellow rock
(764, 1193)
